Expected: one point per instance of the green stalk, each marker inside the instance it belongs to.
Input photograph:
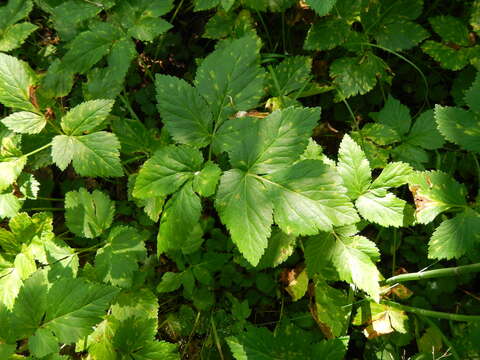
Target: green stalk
(452, 271)
(45, 209)
(431, 313)
(38, 150)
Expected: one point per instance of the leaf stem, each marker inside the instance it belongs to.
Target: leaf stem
(444, 338)
(48, 199)
(451, 271)
(126, 102)
(45, 209)
(431, 313)
(38, 150)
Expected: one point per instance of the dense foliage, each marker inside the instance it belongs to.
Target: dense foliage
(239, 179)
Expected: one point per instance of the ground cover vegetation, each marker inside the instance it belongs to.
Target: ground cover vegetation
(239, 179)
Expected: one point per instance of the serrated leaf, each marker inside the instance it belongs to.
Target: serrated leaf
(10, 284)
(449, 58)
(353, 168)
(74, 306)
(230, 79)
(88, 215)
(9, 205)
(455, 237)
(116, 262)
(459, 126)
(201, 5)
(147, 29)
(13, 11)
(15, 81)
(290, 75)
(15, 35)
(451, 29)
(184, 112)
(380, 134)
(10, 169)
(25, 122)
(424, 132)
(382, 319)
(327, 34)
(43, 343)
(134, 137)
(86, 117)
(58, 81)
(352, 76)
(435, 192)
(90, 46)
(205, 182)
(298, 286)
(167, 170)
(471, 95)
(308, 197)
(280, 247)
(321, 7)
(179, 218)
(333, 349)
(394, 114)
(244, 208)
(170, 282)
(331, 310)
(93, 155)
(108, 82)
(393, 175)
(385, 210)
(400, 35)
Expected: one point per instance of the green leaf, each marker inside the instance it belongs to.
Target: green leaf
(308, 197)
(170, 282)
(73, 306)
(278, 140)
(280, 247)
(147, 29)
(455, 237)
(321, 7)
(230, 79)
(353, 167)
(394, 114)
(15, 35)
(95, 154)
(205, 182)
(16, 78)
(201, 5)
(449, 58)
(393, 175)
(382, 319)
(385, 210)
(244, 208)
(88, 215)
(90, 46)
(471, 95)
(108, 82)
(58, 81)
(43, 343)
(10, 284)
(134, 137)
(299, 286)
(10, 169)
(116, 262)
(331, 309)
(25, 122)
(13, 11)
(86, 117)
(380, 134)
(290, 75)
(167, 170)
(352, 76)
(327, 34)
(435, 192)
(400, 35)
(184, 112)
(180, 216)
(451, 29)
(424, 132)
(459, 126)
(333, 349)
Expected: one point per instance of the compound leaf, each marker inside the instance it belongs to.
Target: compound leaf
(95, 154)
(25, 122)
(459, 126)
(244, 208)
(393, 175)
(15, 35)
(86, 117)
(455, 237)
(385, 210)
(88, 215)
(167, 170)
(184, 112)
(116, 262)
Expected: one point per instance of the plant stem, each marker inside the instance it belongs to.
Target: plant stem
(452, 271)
(38, 150)
(45, 209)
(431, 313)
(128, 106)
(48, 199)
